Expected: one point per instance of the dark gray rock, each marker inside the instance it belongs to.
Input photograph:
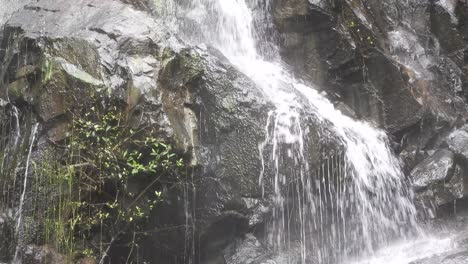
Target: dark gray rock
(245, 251)
(373, 56)
(196, 90)
(7, 231)
(42, 255)
(439, 182)
(249, 250)
(437, 168)
(259, 211)
(440, 196)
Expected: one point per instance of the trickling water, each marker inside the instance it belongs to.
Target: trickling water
(357, 200)
(18, 129)
(25, 185)
(10, 149)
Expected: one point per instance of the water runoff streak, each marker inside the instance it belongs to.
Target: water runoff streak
(356, 201)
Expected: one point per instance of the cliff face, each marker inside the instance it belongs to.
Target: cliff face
(56, 54)
(399, 64)
(401, 59)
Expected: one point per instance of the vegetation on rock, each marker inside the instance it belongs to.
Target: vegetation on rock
(105, 183)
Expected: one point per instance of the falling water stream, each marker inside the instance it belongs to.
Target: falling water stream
(19, 216)
(354, 204)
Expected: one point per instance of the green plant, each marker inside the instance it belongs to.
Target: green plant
(110, 180)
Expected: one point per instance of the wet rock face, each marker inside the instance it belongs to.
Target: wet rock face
(441, 178)
(457, 255)
(395, 62)
(398, 63)
(196, 90)
(438, 167)
(7, 235)
(219, 118)
(193, 97)
(139, 4)
(458, 142)
(439, 195)
(246, 251)
(42, 255)
(249, 250)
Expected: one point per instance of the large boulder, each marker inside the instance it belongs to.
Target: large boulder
(441, 178)
(219, 116)
(439, 195)
(437, 168)
(458, 142)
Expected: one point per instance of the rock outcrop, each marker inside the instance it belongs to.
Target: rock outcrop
(54, 62)
(389, 61)
(438, 167)
(399, 64)
(458, 142)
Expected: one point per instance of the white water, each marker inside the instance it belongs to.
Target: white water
(11, 149)
(409, 251)
(355, 202)
(25, 185)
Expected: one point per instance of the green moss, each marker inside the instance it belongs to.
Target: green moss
(77, 73)
(47, 69)
(192, 62)
(167, 56)
(17, 89)
(25, 71)
(358, 32)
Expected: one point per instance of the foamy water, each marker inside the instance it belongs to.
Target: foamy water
(409, 251)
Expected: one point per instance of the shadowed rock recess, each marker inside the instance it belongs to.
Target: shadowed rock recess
(398, 65)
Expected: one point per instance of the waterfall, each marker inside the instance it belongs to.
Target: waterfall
(356, 200)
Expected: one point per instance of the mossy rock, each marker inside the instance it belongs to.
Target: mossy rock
(64, 86)
(18, 90)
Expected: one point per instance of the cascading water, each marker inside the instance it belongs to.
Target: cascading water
(352, 204)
